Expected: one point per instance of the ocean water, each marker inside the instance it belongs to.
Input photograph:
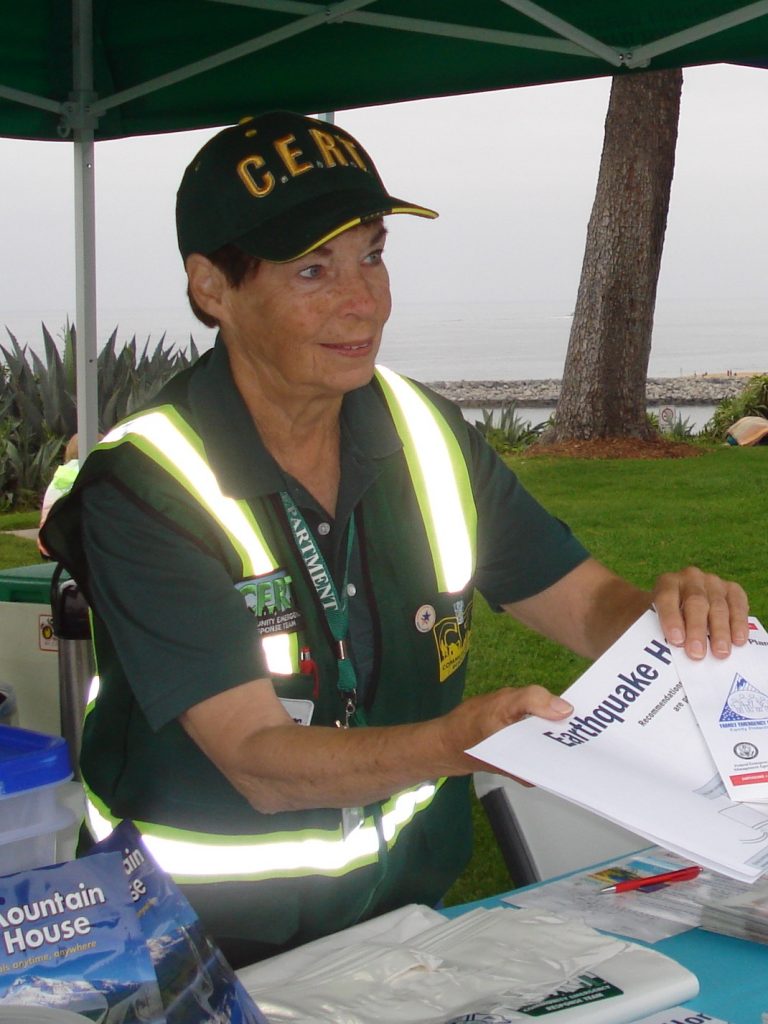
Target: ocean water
(522, 341)
(477, 341)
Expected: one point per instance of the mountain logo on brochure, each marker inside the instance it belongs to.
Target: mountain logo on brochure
(745, 703)
(101, 1000)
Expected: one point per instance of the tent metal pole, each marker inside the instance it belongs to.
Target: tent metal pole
(85, 297)
(85, 229)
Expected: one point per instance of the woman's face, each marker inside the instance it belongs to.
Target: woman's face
(312, 327)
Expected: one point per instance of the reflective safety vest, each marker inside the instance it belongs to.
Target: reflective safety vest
(441, 483)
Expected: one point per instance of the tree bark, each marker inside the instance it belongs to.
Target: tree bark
(603, 389)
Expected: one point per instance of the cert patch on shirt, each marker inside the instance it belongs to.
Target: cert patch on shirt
(452, 633)
(270, 600)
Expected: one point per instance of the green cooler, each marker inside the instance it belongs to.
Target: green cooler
(29, 659)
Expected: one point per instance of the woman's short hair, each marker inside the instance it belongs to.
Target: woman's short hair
(236, 265)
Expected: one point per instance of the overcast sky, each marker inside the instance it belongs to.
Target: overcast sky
(512, 174)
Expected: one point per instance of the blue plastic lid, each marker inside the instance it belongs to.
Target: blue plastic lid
(29, 760)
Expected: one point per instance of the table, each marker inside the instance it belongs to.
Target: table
(732, 973)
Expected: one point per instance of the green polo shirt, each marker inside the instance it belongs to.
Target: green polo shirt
(184, 633)
(171, 629)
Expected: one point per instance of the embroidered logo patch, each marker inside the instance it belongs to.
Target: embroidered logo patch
(452, 635)
(270, 600)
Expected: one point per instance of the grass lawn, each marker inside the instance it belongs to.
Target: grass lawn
(640, 517)
(15, 551)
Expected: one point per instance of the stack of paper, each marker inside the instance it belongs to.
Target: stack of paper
(745, 916)
(634, 753)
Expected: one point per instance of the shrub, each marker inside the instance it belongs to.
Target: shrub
(681, 428)
(510, 431)
(38, 406)
(752, 401)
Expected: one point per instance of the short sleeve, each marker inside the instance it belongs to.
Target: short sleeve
(522, 548)
(180, 628)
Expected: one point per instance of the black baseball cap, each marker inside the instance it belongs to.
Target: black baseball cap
(279, 185)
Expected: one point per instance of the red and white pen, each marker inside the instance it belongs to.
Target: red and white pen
(683, 875)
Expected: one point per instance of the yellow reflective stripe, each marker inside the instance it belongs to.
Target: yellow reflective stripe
(199, 857)
(163, 436)
(93, 692)
(281, 651)
(440, 478)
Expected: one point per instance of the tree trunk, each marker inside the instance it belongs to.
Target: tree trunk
(603, 390)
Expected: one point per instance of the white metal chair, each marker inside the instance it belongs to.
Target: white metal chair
(541, 835)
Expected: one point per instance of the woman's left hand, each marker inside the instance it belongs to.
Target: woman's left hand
(694, 606)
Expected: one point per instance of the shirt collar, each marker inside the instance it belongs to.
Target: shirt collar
(245, 468)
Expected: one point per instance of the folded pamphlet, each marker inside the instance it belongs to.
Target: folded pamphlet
(633, 752)
(729, 697)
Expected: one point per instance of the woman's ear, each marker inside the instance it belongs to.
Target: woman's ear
(207, 284)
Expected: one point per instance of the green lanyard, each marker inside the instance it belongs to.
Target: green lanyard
(336, 608)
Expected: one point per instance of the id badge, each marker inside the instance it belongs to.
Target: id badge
(351, 820)
(301, 711)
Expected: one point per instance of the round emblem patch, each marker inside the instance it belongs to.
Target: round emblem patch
(746, 751)
(425, 618)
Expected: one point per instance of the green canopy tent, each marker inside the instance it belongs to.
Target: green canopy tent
(84, 70)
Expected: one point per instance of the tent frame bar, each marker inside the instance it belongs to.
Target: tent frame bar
(566, 30)
(322, 16)
(29, 99)
(448, 29)
(571, 40)
(641, 55)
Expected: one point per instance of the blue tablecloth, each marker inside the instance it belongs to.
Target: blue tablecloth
(732, 973)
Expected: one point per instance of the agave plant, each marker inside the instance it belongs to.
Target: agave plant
(128, 380)
(38, 403)
(508, 430)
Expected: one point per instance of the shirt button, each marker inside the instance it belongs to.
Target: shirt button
(351, 589)
(324, 529)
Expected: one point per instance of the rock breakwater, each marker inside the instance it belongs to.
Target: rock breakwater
(697, 390)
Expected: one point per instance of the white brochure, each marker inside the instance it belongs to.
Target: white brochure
(633, 752)
(729, 697)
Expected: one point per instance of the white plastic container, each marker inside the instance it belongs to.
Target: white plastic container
(34, 770)
(29, 658)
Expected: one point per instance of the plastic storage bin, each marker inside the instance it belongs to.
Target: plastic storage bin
(29, 659)
(34, 771)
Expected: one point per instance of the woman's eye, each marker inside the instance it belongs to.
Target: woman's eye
(309, 273)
